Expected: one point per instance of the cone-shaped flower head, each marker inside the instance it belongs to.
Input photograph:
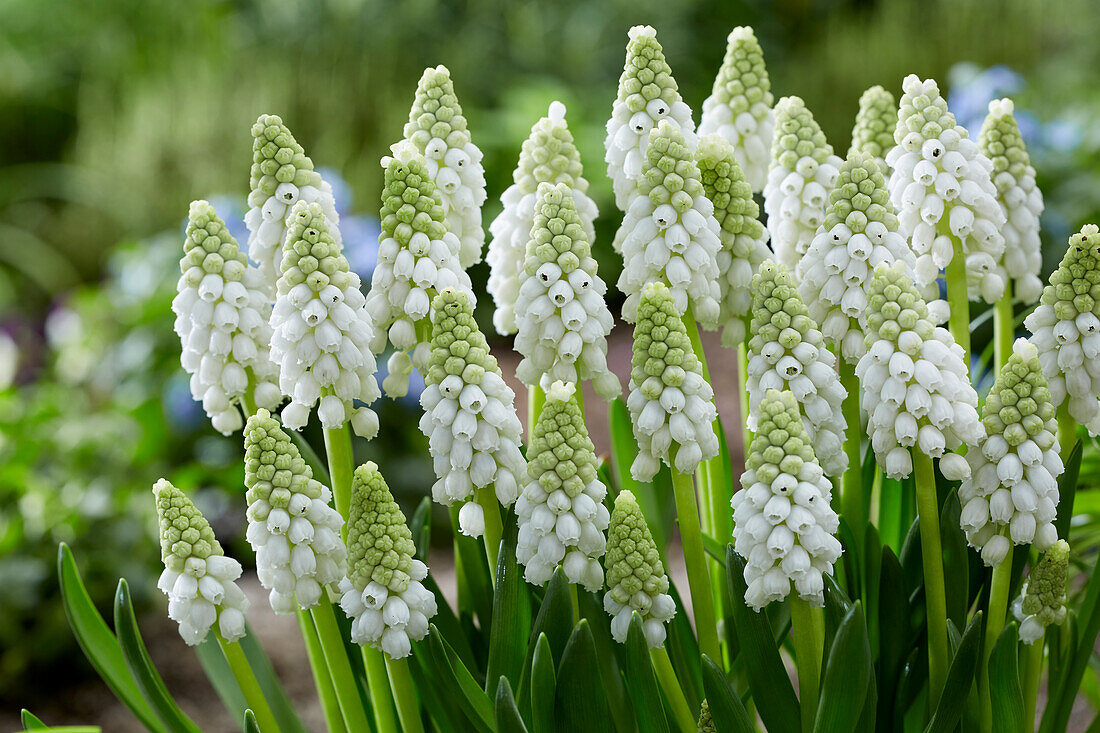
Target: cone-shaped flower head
(1011, 495)
(860, 232)
(705, 723)
(437, 130)
(671, 235)
(941, 188)
(647, 95)
(221, 319)
(198, 578)
(417, 257)
(787, 352)
(1042, 600)
(636, 579)
(1019, 197)
(282, 175)
(382, 594)
(873, 133)
(322, 334)
(916, 390)
(671, 405)
(744, 240)
(739, 107)
(548, 156)
(803, 169)
(469, 415)
(782, 522)
(562, 518)
(291, 524)
(563, 319)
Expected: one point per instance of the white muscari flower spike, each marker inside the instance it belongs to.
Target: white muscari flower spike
(744, 239)
(1065, 327)
(1042, 600)
(860, 232)
(1019, 197)
(671, 405)
(469, 416)
(671, 235)
(787, 352)
(562, 518)
(291, 524)
(636, 579)
(739, 107)
(221, 319)
(873, 132)
(282, 175)
(321, 333)
(783, 524)
(916, 391)
(437, 130)
(548, 156)
(383, 595)
(941, 188)
(562, 317)
(803, 169)
(198, 578)
(1011, 495)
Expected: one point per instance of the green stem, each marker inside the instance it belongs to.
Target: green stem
(326, 693)
(852, 497)
(575, 601)
(958, 298)
(494, 528)
(1033, 673)
(994, 624)
(935, 595)
(809, 645)
(378, 688)
(404, 693)
(339, 666)
(666, 680)
(1004, 328)
(246, 680)
(341, 464)
(1067, 430)
(691, 541)
(743, 395)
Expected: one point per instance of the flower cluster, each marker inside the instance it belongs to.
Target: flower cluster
(671, 234)
(739, 107)
(1065, 327)
(782, 522)
(860, 232)
(469, 417)
(382, 594)
(548, 156)
(198, 578)
(916, 391)
(221, 319)
(941, 188)
(293, 529)
(437, 130)
(670, 404)
(320, 331)
(873, 133)
(562, 518)
(636, 579)
(562, 317)
(803, 169)
(744, 240)
(1042, 600)
(787, 352)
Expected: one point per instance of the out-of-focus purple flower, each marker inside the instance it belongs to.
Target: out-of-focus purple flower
(341, 191)
(973, 88)
(361, 243)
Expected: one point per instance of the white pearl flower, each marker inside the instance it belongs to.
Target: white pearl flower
(1042, 600)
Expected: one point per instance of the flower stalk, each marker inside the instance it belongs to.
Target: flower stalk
(246, 680)
(670, 685)
(691, 540)
(808, 632)
(935, 594)
(994, 624)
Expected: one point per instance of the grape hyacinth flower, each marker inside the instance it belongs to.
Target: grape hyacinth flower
(1019, 197)
(744, 240)
(916, 390)
(562, 518)
(705, 723)
(321, 334)
(469, 416)
(787, 352)
(803, 169)
(941, 188)
(636, 579)
(282, 175)
(562, 317)
(739, 107)
(198, 578)
(437, 130)
(1042, 600)
(548, 156)
(292, 526)
(671, 405)
(1011, 495)
(671, 235)
(860, 231)
(1065, 327)
(383, 595)
(221, 319)
(783, 524)
(873, 132)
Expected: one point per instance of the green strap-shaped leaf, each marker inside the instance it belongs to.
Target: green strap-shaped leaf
(641, 682)
(270, 685)
(30, 721)
(421, 527)
(544, 686)
(475, 703)
(507, 713)
(608, 652)
(448, 623)
(579, 701)
(511, 626)
(956, 557)
(683, 650)
(220, 676)
(555, 620)
(435, 696)
(1067, 489)
(847, 674)
(1004, 683)
(250, 724)
(726, 708)
(960, 678)
(837, 605)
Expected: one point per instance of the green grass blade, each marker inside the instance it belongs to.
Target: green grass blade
(544, 684)
(641, 682)
(579, 700)
(847, 674)
(508, 718)
(220, 676)
(726, 708)
(250, 724)
(960, 679)
(1004, 683)
(511, 626)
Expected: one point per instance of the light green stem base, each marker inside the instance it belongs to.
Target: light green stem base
(807, 629)
(1033, 673)
(1004, 328)
(994, 624)
(666, 680)
(339, 666)
(691, 540)
(341, 464)
(935, 595)
(326, 693)
(374, 662)
(404, 693)
(959, 299)
(250, 687)
(852, 498)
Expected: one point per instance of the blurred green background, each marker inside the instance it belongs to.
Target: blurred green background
(115, 114)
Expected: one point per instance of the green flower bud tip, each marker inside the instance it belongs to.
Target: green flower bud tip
(1001, 141)
(743, 79)
(380, 545)
(1043, 599)
(184, 532)
(311, 254)
(646, 75)
(562, 455)
(549, 155)
(797, 135)
(410, 202)
(209, 246)
(436, 112)
(706, 722)
(273, 467)
(458, 346)
(873, 133)
(277, 158)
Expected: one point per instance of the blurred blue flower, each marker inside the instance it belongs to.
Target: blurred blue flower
(973, 88)
(341, 191)
(360, 235)
(416, 382)
(1062, 135)
(182, 413)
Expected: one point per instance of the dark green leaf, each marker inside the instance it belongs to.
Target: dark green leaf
(30, 722)
(837, 605)
(1004, 684)
(421, 527)
(847, 674)
(726, 708)
(608, 652)
(955, 556)
(1063, 690)
(641, 682)
(1067, 489)
(960, 678)
(507, 714)
(872, 569)
(448, 623)
(435, 694)
(250, 724)
(475, 703)
(683, 651)
(475, 577)
(511, 627)
(555, 620)
(543, 687)
(579, 701)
